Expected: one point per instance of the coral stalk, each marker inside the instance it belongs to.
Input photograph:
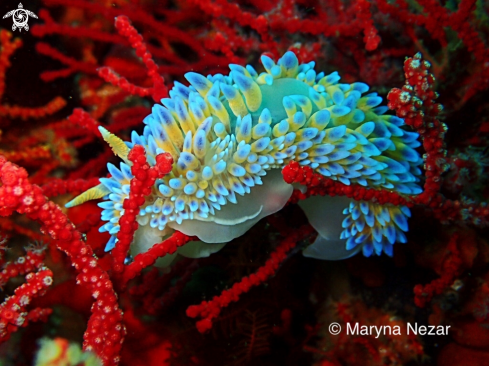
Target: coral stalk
(159, 89)
(141, 186)
(450, 269)
(415, 102)
(83, 119)
(209, 310)
(12, 311)
(58, 187)
(146, 259)
(105, 332)
(23, 265)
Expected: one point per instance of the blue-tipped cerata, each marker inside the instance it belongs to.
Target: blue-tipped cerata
(230, 136)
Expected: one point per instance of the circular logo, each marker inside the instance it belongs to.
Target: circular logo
(334, 328)
(20, 17)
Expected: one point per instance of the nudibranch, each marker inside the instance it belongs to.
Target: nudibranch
(230, 136)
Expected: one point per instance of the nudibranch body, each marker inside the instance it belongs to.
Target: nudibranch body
(230, 136)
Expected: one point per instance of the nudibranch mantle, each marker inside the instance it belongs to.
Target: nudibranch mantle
(230, 136)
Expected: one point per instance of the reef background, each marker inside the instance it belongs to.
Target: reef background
(440, 277)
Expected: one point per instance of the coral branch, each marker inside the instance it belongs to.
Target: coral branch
(12, 310)
(58, 187)
(8, 48)
(451, 268)
(26, 112)
(371, 37)
(159, 89)
(23, 265)
(73, 65)
(105, 331)
(141, 186)
(208, 310)
(146, 259)
(29, 154)
(83, 119)
(415, 102)
(318, 184)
